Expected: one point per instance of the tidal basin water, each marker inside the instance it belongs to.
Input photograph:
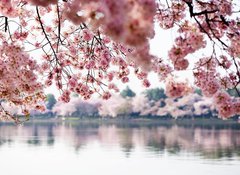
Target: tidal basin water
(119, 149)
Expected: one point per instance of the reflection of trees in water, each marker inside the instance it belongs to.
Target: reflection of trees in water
(210, 141)
(126, 140)
(34, 140)
(50, 135)
(41, 135)
(220, 153)
(5, 141)
(32, 134)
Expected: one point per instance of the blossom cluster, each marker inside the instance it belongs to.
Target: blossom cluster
(191, 41)
(176, 89)
(212, 85)
(226, 105)
(19, 84)
(169, 14)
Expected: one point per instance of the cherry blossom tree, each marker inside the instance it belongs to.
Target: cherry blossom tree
(82, 46)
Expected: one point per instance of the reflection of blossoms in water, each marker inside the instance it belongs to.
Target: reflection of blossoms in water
(153, 138)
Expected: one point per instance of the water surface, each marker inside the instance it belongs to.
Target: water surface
(115, 149)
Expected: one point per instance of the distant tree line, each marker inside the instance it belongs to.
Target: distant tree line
(155, 100)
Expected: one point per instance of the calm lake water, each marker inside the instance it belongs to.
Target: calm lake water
(119, 149)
